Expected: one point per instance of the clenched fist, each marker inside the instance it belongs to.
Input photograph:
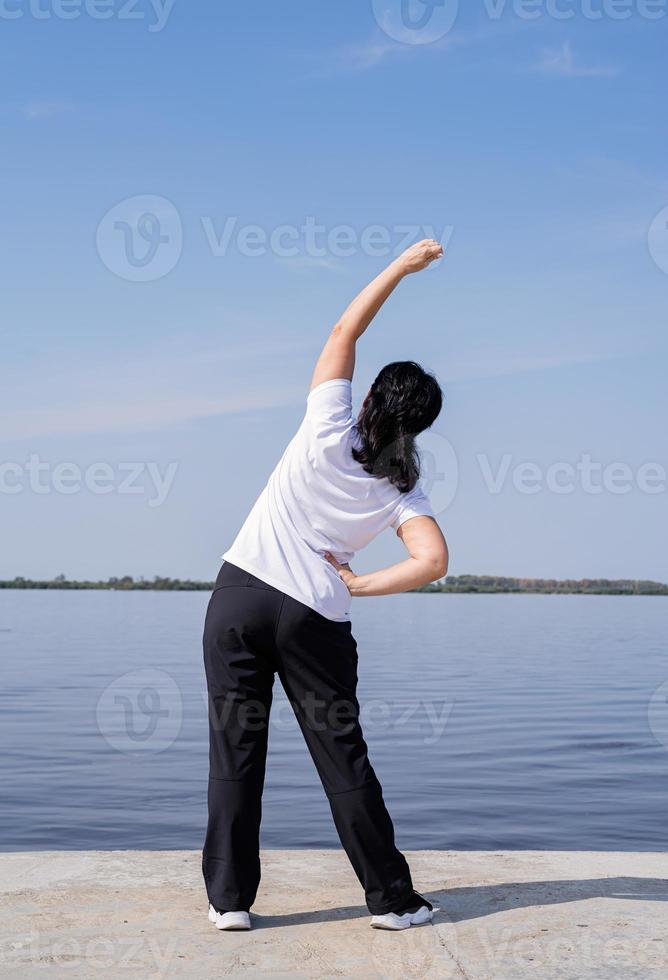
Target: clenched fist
(419, 256)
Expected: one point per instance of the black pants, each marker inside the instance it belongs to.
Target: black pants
(253, 631)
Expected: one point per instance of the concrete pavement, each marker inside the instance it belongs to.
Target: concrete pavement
(505, 916)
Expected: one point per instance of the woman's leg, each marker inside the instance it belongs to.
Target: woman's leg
(317, 665)
(238, 645)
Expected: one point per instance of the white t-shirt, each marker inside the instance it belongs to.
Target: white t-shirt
(320, 499)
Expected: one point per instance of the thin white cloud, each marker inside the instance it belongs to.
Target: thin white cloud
(306, 263)
(150, 393)
(369, 54)
(621, 172)
(121, 415)
(45, 109)
(496, 364)
(127, 410)
(562, 63)
(363, 56)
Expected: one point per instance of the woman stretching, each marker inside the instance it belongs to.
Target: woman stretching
(281, 606)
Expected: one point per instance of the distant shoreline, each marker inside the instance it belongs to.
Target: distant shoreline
(482, 584)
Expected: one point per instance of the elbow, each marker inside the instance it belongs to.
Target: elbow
(443, 570)
(437, 566)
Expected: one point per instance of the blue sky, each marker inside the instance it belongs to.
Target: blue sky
(538, 145)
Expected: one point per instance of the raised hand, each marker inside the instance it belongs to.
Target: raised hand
(419, 256)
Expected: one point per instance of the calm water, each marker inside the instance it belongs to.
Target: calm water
(493, 722)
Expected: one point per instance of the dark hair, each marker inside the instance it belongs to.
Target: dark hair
(403, 401)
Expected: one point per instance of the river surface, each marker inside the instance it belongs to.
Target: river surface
(493, 721)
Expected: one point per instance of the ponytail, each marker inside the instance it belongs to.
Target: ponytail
(403, 401)
(397, 459)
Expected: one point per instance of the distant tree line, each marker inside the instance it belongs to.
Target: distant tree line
(453, 583)
(125, 584)
(547, 586)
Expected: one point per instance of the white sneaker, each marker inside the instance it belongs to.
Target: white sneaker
(229, 921)
(232, 921)
(395, 922)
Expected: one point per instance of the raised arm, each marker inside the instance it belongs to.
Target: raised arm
(337, 359)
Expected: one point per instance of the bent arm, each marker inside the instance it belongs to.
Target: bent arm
(428, 560)
(337, 359)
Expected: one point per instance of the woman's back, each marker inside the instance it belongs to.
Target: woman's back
(320, 499)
